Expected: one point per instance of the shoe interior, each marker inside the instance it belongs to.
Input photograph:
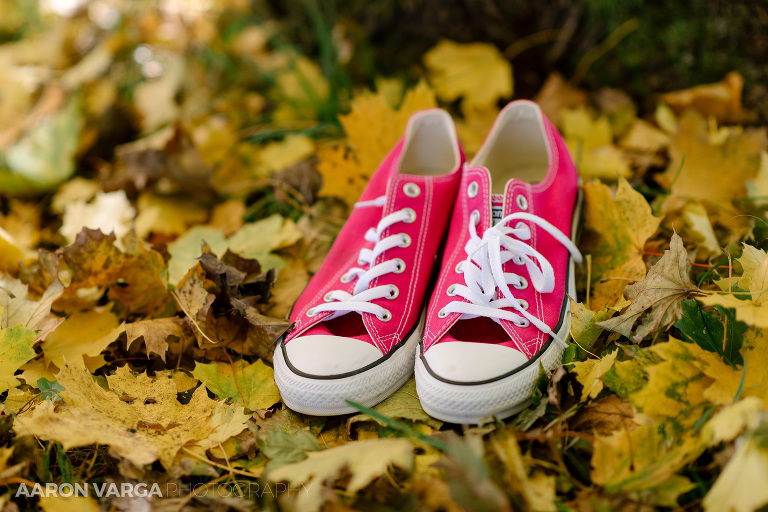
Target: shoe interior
(516, 147)
(431, 147)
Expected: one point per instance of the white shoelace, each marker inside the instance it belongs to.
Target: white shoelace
(484, 271)
(341, 302)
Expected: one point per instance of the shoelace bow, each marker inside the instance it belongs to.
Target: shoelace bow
(341, 302)
(484, 271)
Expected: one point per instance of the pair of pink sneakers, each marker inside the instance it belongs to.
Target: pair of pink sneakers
(478, 303)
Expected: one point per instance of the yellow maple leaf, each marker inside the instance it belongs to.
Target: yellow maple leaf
(702, 174)
(82, 333)
(590, 142)
(276, 156)
(721, 100)
(139, 417)
(366, 460)
(747, 311)
(478, 72)
(615, 234)
(372, 128)
(643, 136)
(588, 374)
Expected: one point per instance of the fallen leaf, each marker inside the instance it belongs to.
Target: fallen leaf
(139, 417)
(701, 175)
(252, 386)
(590, 142)
(476, 72)
(59, 503)
(364, 460)
(109, 213)
(154, 332)
(286, 448)
(82, 333)
(167, 215)
(656, 300)
(402, 404)
(717, 331)
(584, 330)
(604, 416)
(277, 156)
(556, 95)
(721, 100)
(19, 310)
(740, 487)
(302, 90)
(15, 350)
(589, 372)
(615, 234)
(345, 173)
(746, 310)
(733, 419)
(699, 226)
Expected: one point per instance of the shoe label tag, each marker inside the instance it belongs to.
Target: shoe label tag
(497, 208)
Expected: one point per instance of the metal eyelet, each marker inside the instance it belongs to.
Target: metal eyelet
(451, 290)
(327, 297)
(523, 304)
(521, 225)
(442, 313)
(386, 317)
(518, 260)
(346, 278)
(460, 267)
(522, 202)
(522, 285)
(394, 291)
(411, 215)
(472, 189)
(475, 217)
(311, 312)
(400, 266)
(406, 241)
(411, 190)
(523, 323)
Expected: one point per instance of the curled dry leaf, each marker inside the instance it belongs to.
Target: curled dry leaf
(656, 300)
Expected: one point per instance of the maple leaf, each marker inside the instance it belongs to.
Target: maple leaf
(615, 234)
(139, 417)
(345, 173)
(706, 154)
(722, 100)
(589, 372)
(154, 333)
(252, 386)
(747, 311)
(591, 145)
(365, 461)
(476, 72)
(656, 300)
(15, 350)
(584, 330)
(18, 309)
(402, 404)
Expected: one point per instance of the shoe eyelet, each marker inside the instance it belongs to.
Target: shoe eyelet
(311, 312)
(523, 323)
(523, 304)
(346, 278)
(472, 189)
(475, 217)
(400, 266)
(521, 225)
(522, 285)
(522, 202)
(327, 297)
(360, 262)
(460, 267)
(385, 317)
(518, 260)
(406, 241)
(442, 313)
(411, 215)
(394, 291)
(411, 190)
(451, 290)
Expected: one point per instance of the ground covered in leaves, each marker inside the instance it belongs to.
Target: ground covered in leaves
(171, 178)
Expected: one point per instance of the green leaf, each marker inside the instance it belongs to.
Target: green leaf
(250, 385)
(283, 448)
(716, 331)
(403, 404)
(50, 389)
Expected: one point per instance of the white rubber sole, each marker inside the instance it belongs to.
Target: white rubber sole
(475, 403)
(327, 397)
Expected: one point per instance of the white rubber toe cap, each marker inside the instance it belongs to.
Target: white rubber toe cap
(472, 362)
(326, 356)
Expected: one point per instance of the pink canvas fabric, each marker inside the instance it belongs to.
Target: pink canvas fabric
(553, 199)
(432, 206)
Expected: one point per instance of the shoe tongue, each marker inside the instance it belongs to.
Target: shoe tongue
(497, 208)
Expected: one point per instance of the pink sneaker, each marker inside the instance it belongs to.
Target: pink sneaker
(500, 306)
(359, 321)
